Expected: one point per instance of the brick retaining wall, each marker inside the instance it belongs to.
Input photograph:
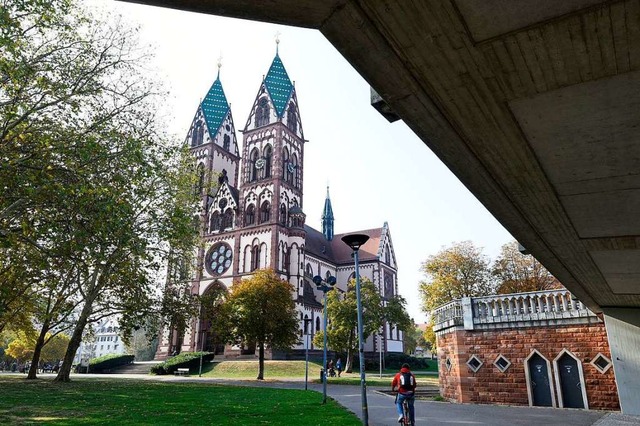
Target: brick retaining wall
(490, 386)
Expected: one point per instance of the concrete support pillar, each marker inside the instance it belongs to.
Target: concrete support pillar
(623, 331)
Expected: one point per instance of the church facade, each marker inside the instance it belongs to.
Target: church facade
(255, 219)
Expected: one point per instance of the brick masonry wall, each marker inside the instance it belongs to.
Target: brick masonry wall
(490, 386)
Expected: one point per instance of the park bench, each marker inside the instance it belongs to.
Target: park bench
(181, 372)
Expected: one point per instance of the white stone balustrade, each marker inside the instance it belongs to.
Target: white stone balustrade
(513, 311)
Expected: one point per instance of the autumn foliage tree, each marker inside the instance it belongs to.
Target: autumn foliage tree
(516, 272)
(260, 310)
(461, 270)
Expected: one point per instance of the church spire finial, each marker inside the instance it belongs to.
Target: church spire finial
(278, 33)
(327, 218)
(219, 64)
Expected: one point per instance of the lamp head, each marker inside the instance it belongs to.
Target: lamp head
(317, 280)
(331, 281)
(355, 241)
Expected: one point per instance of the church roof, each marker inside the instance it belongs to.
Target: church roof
(336, 251)
(215, 107)
(278, 85)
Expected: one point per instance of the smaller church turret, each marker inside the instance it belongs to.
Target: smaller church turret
(327, 218)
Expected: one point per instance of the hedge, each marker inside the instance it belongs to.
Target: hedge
(107, 362)
(393, 361)
(190, 360)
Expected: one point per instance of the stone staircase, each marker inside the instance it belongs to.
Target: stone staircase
(135, 368)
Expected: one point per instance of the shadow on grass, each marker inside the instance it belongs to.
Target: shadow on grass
(130, 402)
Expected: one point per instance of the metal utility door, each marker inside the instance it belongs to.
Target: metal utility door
(540, 386)
(570, 382)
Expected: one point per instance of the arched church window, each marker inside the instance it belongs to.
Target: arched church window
(262, 112)
(388, 285)
(226, 142)
(199, 187)
(214, 222)
(352, 277)
(255, 257)
(283, 215)
(227, 220)
(268, 154)
(327, 276)
(317, 324)
(285, 163)
(286, 258)
(294, 171)
(387, 255)
(309, 270)
(265, 212)
(253, 170)
(292, 118)
(306, 324)
(250, 215)
(197, 134)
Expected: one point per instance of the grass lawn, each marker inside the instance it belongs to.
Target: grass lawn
(249, 370)
(129, 402)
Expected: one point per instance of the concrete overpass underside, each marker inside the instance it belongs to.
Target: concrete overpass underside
(533, 104)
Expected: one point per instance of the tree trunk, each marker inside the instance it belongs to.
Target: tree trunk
(76, 338)
(260, 361)
(35, 360)
(348, 366)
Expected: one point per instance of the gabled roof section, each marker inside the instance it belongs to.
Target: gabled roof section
(336, 251)
(215, 107)
(226, 191)
(278, 85)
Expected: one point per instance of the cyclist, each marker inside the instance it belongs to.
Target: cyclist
(405, 383)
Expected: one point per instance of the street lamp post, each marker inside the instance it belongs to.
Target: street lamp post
(324, 287)
(306, 352)
(355, 241)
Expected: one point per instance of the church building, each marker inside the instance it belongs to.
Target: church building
(255, 219)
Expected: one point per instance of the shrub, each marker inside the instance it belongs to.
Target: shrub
(190, 360)
(393, 361)
(107, 362)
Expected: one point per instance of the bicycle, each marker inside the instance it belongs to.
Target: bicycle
(406, 417)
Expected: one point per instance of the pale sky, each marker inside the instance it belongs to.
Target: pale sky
(377, 171)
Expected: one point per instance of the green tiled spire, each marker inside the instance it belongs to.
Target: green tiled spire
(278, 85)
(327, 218)
(215, 107)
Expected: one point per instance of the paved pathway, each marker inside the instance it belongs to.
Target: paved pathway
(382, 411)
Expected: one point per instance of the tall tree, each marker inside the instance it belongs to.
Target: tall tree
(261, 310)
(516, 272)
(410, 338)
(342, 314)
(454, 272)
(91, 190)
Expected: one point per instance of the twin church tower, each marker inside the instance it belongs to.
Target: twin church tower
(255, 219)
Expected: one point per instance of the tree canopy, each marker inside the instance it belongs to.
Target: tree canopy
(454, 272)
(260, 310)
(342, 315)
(93, 200)
(463, 270)
(517, 273)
